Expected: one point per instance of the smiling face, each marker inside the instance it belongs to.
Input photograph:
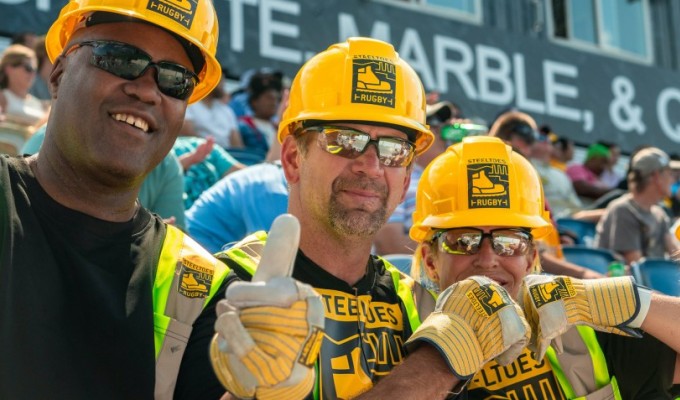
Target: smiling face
(446, 269)
(351, 197)
(115, 129)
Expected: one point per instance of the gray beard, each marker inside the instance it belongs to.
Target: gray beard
(353, 221)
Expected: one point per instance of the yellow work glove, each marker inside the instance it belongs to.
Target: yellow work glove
(553, 304)
(269, 330)
(474, 321)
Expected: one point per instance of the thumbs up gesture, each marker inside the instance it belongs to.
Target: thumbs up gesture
(269, 331)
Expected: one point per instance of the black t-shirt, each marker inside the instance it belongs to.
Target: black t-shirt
(643, 369)
(76, 312)
(366, 326)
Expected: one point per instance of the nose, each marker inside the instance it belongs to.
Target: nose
(368, 163)
(144, 87)
(486, 257)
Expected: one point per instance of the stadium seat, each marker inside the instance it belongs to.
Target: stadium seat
(246, 156)
(659, 274)
(401, 261)
(583, 232)
(589, 257)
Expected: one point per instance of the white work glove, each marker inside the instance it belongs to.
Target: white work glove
(553, 304)
(269, 331)
(474, 321)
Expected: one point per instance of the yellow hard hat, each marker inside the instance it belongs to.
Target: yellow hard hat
(361, 80)
(193, 21)
(479, 182)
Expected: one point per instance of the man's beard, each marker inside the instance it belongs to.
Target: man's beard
(354, 221)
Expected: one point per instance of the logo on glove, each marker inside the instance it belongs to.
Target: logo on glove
(487, 300)
(544, 293)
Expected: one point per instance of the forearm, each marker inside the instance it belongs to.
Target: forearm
(423, 375)
(661, 320)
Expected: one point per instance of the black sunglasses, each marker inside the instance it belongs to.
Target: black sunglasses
(128, 62)
(27, 67)
(467, 241)
(351, 143)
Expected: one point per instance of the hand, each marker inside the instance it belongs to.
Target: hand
(475, 320)
(553, 304)
(269, 331)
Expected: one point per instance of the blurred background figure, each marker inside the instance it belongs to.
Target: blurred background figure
(557, 187)
(258, 130)
(239, 98)
(22, 112)
(204, 163)
(516, 129)
(39, 89)
(635, 225)
(586, 177)
(213, 117)
(563, 151)
(611, 177)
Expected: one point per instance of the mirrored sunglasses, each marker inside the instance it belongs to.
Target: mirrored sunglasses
(505, 242)
(351, 143)
(128, 62)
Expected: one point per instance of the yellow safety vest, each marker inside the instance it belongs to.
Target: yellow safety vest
(569, 367)
(417, 300)
(187, 277)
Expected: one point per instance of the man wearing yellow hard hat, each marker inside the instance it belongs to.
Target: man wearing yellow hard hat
(98, 297)
(355, 122)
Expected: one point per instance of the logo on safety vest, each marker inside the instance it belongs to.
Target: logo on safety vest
(194, 279)
(374, 80)
(544, 293)
(180, 11)
(487, 299)
(488, 185)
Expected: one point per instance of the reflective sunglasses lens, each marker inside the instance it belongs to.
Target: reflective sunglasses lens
(344, 142)
(175, 81)
(460, 241)
(395, 152)
(510, 242)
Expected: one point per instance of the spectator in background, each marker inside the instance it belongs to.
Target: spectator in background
(611, 177)
(39, 88)
(563, 152)
(27, 39)
(239, 204)
(257, 130)
(557, 186)
(239, 98)
(634, 225)
(161, 192)
(393, 237)
(212, 116)
(20, 112)
(586, 177)
(203, 164)
(516, 129)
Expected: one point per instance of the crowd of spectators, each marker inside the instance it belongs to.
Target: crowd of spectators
(222, 182)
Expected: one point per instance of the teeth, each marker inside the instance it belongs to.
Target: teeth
(132, 120)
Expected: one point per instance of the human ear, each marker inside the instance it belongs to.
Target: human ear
(428, 256)
(290, 159)
(56, 75)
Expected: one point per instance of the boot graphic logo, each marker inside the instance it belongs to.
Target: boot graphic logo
(488, 186)
(194, 278)
(373, 81)
(544, 293)
(486, 300)
(181, 11)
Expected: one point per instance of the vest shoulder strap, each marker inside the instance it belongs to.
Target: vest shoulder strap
(187, 277)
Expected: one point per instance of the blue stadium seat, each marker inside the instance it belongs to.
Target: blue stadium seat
(246, 156)
(659, 274)
(583, 231)
(401, 261)
(589, 257)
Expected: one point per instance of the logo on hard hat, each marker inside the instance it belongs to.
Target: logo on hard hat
(488, 185)
(180, 11)
(373, 81)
